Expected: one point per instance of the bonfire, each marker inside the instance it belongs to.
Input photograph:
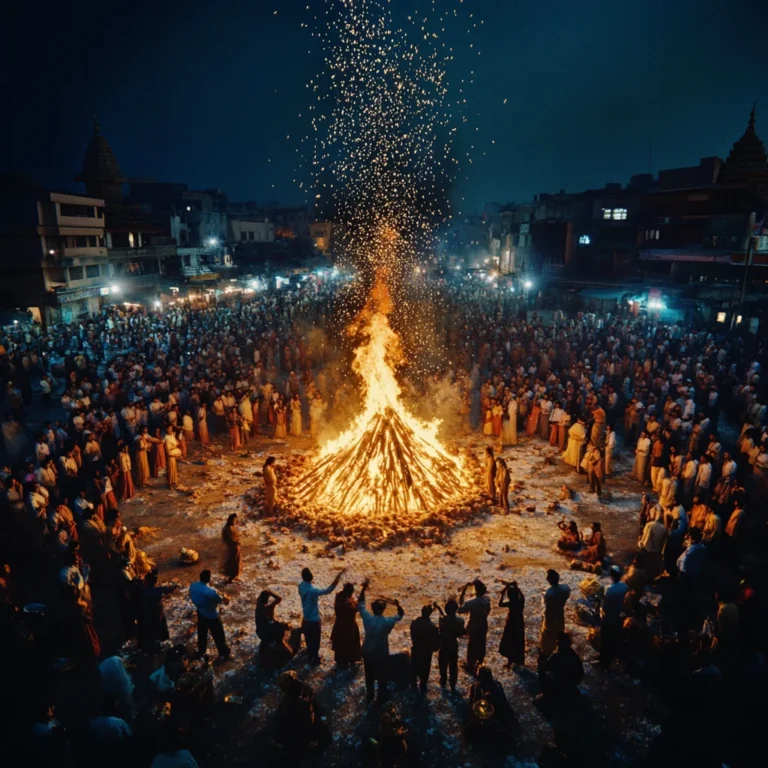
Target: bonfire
(388, 477)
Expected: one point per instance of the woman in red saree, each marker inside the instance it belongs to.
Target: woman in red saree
(532, 425)
(230, 535)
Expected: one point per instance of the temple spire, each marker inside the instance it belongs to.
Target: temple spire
(747, 161)
(101, 172)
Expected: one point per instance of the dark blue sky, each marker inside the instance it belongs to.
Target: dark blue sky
(208, 93)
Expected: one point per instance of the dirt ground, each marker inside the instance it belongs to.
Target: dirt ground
(618, 717)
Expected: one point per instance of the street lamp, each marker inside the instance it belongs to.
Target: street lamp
(527, 284)
(212, 242)
(114, 288)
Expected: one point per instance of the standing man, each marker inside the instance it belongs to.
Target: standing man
(310, 626)
(207, 600)
(451, 629)
(478, 609)
(425, 640)
(377, 627)
(553, 624)
(490, 474)
(594, 469)
(611, 614)
(610, 447)
(651, 546)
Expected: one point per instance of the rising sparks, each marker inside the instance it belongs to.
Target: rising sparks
(382, 147)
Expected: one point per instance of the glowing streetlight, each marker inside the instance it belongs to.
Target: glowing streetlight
(213, 242)
(114, 288)
(527, 284)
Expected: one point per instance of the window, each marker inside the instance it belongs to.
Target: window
(75, 273)
(619, 214)
(92, 270)
(584, 240)
(86, 211)
(131, 240)
(187, 260)
(721, 317)
(243, 237)
(250, 235)
(607, 213)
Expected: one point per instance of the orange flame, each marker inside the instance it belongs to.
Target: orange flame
(388, 461)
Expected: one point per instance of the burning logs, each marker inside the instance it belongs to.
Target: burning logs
(367, 531)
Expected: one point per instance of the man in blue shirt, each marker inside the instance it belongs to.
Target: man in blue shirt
(207, 601)
(310, 626)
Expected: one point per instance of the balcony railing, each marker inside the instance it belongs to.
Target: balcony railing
(151, 252)
(75, 253)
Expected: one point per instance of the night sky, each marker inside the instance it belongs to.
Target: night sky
(209, 93)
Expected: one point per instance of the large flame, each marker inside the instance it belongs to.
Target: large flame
(388, 461)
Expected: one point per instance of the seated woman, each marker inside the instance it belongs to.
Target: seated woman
(389, 742)
(274, 651)
(570, 541)
(490, 713)
(299, 730)
(594, 547)
(187, 685)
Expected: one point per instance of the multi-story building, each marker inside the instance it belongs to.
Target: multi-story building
(53, 252)
(196, 221)
(251, 229)
(141, 254)
(702, 224)
(687, 224)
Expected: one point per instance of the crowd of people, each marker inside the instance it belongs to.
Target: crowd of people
(138, 390)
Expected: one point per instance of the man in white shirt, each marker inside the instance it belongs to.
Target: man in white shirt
(651, 546)
(703, 478)
(729, 466)
(310, 626)
(130, 418)
(377, 627)
(690, 470)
